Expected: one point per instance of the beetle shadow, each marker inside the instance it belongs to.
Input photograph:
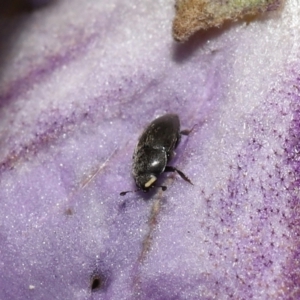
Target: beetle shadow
(179, 152)
(140, 195)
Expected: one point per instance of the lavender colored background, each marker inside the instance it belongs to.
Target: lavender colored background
(79, 81)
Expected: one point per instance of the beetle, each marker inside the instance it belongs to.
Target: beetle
(154, 150)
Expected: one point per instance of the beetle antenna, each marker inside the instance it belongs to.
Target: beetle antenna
(157, 186)
(163, 187)
(124, 193)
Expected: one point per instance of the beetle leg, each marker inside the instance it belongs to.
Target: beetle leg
(182, 175)
(187, 131)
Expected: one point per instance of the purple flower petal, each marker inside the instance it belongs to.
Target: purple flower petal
(78, 84)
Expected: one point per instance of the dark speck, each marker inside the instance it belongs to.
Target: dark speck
(96, 283)
(99, 281)
(69, 212)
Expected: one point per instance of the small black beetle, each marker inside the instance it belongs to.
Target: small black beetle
(154, 150)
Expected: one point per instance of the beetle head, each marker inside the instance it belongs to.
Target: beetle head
(148, 164)
(145, 181)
